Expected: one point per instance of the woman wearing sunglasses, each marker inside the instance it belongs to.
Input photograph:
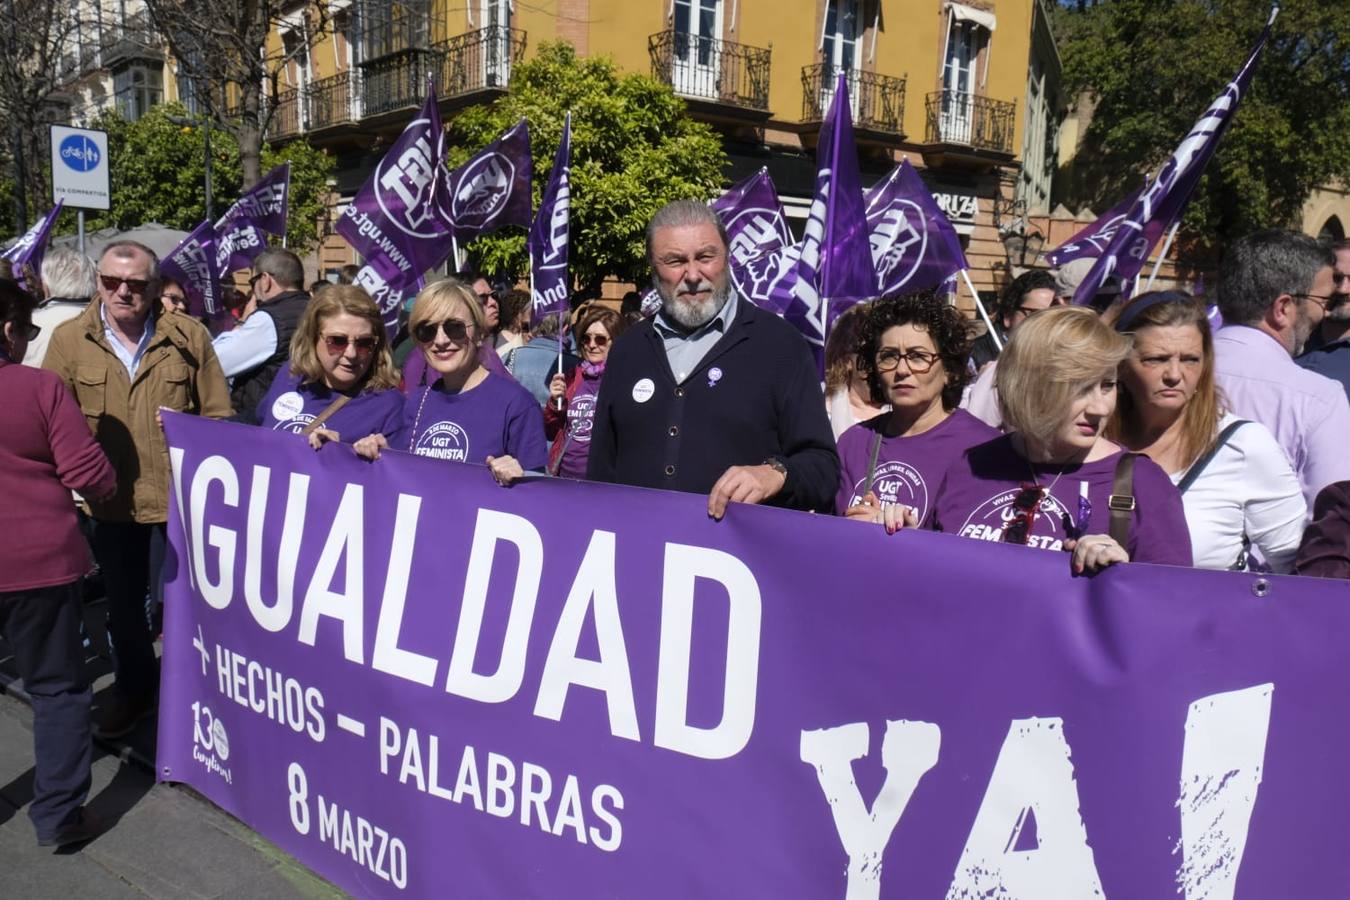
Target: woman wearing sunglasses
(1236, 483)
(911, 354)
(466, 413)
(341, 383)
(1055, 482)
(567, 415)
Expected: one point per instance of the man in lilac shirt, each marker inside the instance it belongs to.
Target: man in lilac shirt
(1273, 291)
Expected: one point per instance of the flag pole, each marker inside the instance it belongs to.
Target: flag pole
(1167, 245)
(984, 314)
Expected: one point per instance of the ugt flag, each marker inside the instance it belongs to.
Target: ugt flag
(914, 246)
(549, 236)
(492, 189)
(193, 265)
(1092, 240)
(262, 208)
(394, 222)
(754, 219)
(31, 247)
(1164, 200)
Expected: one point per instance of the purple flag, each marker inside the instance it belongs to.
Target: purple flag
(1092, 240)
(492, 189)
(754, 219)
(394, 222)
(193, 265)
(914, 246)
(240, 231)
(31, 246)
(550, 236)
(1164, 200)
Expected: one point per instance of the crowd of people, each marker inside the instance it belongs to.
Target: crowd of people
(1126, 430)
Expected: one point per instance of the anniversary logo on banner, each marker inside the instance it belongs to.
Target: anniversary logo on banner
(418, 682)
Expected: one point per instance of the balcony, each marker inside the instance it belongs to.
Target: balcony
(712, 72)
(876, 101)
(962, 123)
(478, 60)
(288, 119)
(133, 38)
(396, 82)
(332, 102)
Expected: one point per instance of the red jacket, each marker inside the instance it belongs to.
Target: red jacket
(555, 420)
(46, 451)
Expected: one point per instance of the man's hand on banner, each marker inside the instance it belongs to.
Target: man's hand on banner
(744, 484)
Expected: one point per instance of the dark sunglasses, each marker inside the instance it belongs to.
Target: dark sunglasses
(599, 340)
(112, 284)
(455, 330)
(1027, 502)
(337, 344)
(28, 332)
(175, 299)
(1338, 277)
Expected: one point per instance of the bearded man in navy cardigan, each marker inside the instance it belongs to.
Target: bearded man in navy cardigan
(713, 395)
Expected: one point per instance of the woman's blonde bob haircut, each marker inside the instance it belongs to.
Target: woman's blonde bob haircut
(1050, 359)
(332, 301)
(436, 303)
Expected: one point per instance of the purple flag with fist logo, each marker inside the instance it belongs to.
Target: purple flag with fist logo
(492, 189)
(550, 236)
(394, 222)
(29, 249)
(1164, 200)
(193, 265)
(754, 219)
(914, 246)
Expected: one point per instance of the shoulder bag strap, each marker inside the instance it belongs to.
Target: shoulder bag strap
(1121, 502)
(872, 463)
(338, 402)
(1199, 465)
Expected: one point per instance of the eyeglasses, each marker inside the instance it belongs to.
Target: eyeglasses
(337, 344)
(112, 284)
(1319, 299)
(254, 280)
(1027, 502)
(455, 330)
(175, 299)
(919, 361)
(28, 332)
(1340, 277)
(599, 340)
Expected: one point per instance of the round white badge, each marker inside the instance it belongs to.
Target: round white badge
(643, 390)
(287, 406)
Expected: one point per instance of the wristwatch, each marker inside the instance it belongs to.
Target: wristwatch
(776, 464)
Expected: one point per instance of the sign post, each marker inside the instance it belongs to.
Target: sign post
(80, 170)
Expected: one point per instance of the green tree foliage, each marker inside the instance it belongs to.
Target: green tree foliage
(633, 151)
(159, 172)
(1152, 67)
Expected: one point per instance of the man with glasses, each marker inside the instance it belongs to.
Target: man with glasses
(1329, 348)
(124, 361)
(1025, 295)
(253, 353)
(1275, 287)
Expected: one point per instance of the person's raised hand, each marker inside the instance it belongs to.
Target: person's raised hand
(744, 484)
(557, 387)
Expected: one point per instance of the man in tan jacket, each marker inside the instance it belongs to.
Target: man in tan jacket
(124, 360)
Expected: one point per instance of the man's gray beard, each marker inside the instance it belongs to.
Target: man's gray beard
(693, 314)
(1341, 311)
(1303, 329)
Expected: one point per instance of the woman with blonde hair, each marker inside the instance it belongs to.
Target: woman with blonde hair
(1236, 483)
(465, 413)
(341, 381)
(1055, 482)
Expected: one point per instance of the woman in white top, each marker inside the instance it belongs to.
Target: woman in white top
(848, 395)
(1237, 485)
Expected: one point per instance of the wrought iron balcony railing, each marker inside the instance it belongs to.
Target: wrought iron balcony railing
(288, 119)
(708, 69)
(957, 117)
(393, 27)
(333, 102)
(478, 60)
(133, 38)
(877, 102)
(396, 82)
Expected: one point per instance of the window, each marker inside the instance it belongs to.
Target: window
(137, 88)
(698, 26)
(497, 36)
(967, 41)
(840, 40)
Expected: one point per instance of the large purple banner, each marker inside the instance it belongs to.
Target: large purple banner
(422, 684)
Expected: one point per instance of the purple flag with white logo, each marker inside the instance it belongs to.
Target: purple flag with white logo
(914, 246)
(240, 232)
(193, 265)
(1164, 200)
(492, 189)
(31, 247)
(549, 236)
(1093, 239)
(754, 219)
(394, 222)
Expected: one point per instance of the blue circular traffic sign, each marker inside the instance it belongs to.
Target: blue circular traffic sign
(80, 153)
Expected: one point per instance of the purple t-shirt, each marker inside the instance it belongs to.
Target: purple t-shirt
(580, 412)
(498, 417)
(975, 499)
(290, 406)
(908, 468)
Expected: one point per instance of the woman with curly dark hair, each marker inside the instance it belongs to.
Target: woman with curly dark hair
(912, 351)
